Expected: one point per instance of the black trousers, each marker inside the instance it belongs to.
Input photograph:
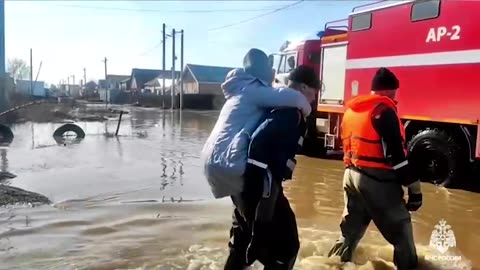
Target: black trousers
(279, 238)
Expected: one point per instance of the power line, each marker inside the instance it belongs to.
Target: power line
(232, 44)
(151, 49)
(169, 11)
(256, 17)
(158, 45)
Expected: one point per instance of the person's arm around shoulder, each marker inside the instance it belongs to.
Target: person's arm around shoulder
(269, 97)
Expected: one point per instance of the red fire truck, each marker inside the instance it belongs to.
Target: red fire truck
(433, 47)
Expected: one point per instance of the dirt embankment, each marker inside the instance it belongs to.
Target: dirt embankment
(11, 195)
(56, 112)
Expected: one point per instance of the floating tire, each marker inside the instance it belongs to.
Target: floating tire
(6, 135)
(434, 157)
(63, 130)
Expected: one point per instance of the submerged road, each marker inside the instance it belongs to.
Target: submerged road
(139, 201)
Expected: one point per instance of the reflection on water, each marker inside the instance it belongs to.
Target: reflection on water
(139, 201)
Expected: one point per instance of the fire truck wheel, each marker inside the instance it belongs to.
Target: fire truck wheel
(433, 157)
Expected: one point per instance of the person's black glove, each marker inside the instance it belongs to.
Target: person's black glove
(414, 197)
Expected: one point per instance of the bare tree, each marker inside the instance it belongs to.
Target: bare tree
(18, 69)
(91, 85)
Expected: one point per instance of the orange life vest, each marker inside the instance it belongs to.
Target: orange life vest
(362, 146)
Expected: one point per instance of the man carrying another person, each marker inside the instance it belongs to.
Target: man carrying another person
(264, 226)
(249, 98)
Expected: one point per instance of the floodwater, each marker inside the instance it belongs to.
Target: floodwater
(139, 201)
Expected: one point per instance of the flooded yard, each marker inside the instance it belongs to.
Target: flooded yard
(139, 201)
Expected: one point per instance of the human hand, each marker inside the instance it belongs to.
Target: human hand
(415, 198)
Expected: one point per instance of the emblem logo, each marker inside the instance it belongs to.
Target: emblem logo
(442, 237)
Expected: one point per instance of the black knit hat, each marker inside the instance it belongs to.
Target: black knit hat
(306, 75)
(384, 79)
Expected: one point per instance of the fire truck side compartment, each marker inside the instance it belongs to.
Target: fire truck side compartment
(333, 73)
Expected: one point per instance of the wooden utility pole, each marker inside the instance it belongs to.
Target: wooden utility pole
(31, 72)
(163, 66)
(173, 69)
(106, 84)
(181, 69)
(3, 85)
(84, 84)
(2, 38)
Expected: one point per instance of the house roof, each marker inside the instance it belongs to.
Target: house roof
(144, 75)
(153, 82)
(158, 82)
(211, 74)
(117, 78)
(102, 83)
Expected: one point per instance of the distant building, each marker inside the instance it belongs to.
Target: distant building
(155, 85)
(74, 90)
(139, 77)
(111, 86)
(114, 81)
(71, 90)
(201, 79)
(102, 84)
(25, 87)
(125, 85)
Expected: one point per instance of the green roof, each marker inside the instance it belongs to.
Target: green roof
(210, 74)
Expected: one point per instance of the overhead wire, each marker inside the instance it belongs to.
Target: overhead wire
(239, 22)
(159, 44)
(256, 17)
(169, 11)
(151, 49)
(271, 10)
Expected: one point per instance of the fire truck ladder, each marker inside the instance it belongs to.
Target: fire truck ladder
(378, 4)
(337, 25)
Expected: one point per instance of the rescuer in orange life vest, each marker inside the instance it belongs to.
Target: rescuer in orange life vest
(376, 169)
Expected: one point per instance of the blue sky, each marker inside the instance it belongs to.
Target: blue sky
(70, 35)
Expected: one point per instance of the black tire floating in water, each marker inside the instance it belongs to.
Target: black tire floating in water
(434, 157)
(60, 132)
(6, 134)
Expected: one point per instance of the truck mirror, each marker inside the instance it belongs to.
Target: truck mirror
(270, 60)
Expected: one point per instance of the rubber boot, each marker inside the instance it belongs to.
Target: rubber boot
(235, 262)
(281, 266)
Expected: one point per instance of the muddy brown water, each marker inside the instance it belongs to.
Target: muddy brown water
(139, 201)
